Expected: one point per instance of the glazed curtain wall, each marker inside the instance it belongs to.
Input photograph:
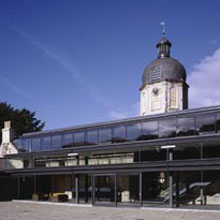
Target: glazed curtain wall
(136, 131)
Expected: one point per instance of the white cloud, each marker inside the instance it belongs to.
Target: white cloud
(131, 111)
(204, 81)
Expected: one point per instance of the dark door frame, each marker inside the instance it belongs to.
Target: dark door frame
(114, 203)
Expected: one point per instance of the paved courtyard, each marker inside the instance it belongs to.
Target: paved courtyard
(41, 211)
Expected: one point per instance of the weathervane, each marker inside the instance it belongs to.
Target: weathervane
(163, 28)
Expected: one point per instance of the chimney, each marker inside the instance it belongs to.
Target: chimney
(7, 135)
(7, 146)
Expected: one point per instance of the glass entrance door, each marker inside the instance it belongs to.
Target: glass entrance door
(128, 191)
(104, 189)
(155, 189)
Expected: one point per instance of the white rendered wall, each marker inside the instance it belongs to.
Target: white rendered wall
(148, 99)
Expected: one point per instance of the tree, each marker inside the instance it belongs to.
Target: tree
(22, 121)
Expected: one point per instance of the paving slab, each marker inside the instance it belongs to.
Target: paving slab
(26, 210)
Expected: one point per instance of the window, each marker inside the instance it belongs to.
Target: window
(167, 128)
(153, 154)
(46, 142)
(173, 97)
(92, 137)
(67, 140)
(26, 143)
(186, 126)
(119, 133)
(218, 122)
(36, 144)
(185, 152)
(211, 150)
(134, 131)
(205, 123)
(56, 141)
(150, 130)
(79, 138)
(105, 135)
(155, 98)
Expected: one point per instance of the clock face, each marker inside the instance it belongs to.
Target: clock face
(155, 91)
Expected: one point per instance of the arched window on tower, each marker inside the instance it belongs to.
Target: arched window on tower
(173, 97)
(155, 99)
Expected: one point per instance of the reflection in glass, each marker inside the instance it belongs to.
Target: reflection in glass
(18, 144)
(79, 138)
(134, 131)
(105, 135)
(85, 188)
(119, 134)
(68, 140)
(56, 141)
(185, 126)
(155, 187)
(36, 144)
(150, 130)
(92, 137)
(26, 144)
(205, 123)
(46, 142)
(167, 128)
(218, 122)
(105, 189)
(128, 189)
(213, 189)
(190, 187)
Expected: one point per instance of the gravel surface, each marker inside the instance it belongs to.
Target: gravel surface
(40, 211)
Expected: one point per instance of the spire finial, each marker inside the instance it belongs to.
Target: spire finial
(163, 28)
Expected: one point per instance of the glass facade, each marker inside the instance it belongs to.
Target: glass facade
(119, 134)
(56, 141)
(187, 152)
(211, 150)
(79, 138)
(218, 122)
(150, 130)
(67, 139)
(105, 189)
(153, 154)
(167, 128)
(185, 126)
(92, 137)
(127, 174)
(46, 142)
(205, 123)
(105, 135)
(141, 129)
(155, 188)
(134, 132)
(36, 143)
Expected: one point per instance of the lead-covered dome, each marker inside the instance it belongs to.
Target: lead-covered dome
(164, 67)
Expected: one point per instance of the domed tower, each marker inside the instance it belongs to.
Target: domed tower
(164, 87)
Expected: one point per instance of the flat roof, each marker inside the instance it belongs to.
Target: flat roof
(112, 122)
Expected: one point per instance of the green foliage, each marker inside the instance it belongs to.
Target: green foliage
(22, 121)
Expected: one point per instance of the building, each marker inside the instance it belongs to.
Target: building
(164, 86)
(168, 156)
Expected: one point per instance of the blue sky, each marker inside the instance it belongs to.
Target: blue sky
(81, 61)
